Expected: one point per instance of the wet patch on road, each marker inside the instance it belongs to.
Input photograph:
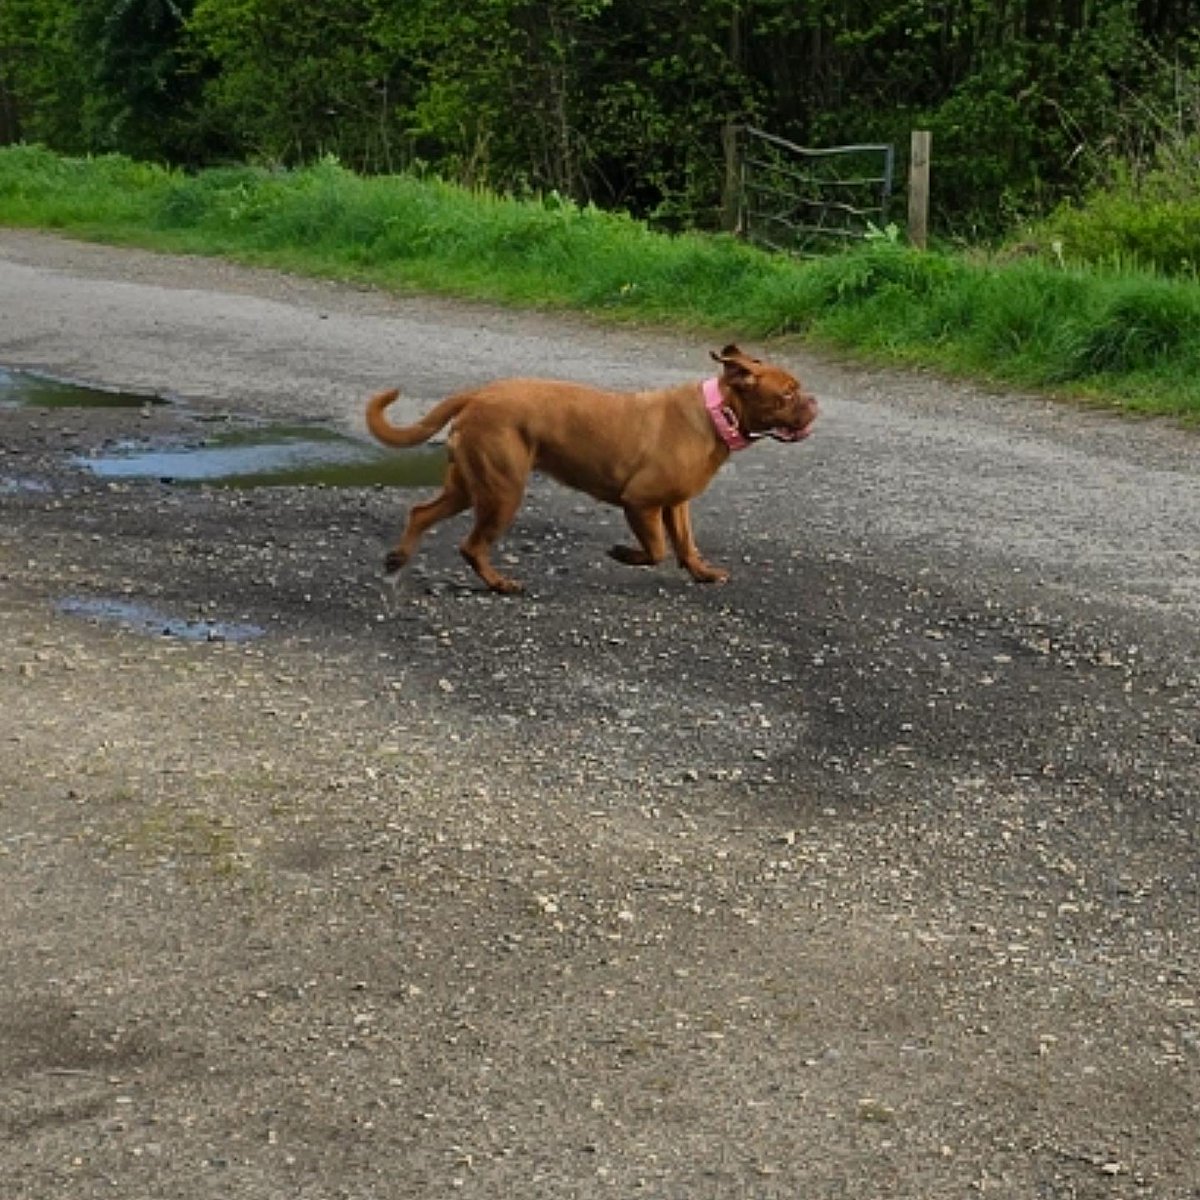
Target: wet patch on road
(272, 456)
(13, 486)
(144, 619)
(31, 389)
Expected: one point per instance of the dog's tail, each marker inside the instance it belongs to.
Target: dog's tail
(410, 435)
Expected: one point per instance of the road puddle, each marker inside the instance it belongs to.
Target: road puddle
(144, 619)
(272, 456)
(29, 389)
(11, 485)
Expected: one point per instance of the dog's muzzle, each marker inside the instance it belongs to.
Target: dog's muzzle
(783, 434)
(798, 432)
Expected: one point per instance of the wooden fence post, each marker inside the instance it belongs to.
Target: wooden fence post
(918, 188)
(731, 192)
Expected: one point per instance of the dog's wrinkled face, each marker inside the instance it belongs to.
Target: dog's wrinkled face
(772, 401)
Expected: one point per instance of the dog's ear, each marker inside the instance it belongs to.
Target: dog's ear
(736, 363)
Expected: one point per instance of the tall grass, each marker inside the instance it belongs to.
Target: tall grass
(1143, 207)
(1125, 338)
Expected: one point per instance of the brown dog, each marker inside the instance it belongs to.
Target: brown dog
(647, 452)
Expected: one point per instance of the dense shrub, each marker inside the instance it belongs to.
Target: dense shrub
(617, 102)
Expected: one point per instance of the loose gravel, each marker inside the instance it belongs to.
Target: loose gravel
(872, 873)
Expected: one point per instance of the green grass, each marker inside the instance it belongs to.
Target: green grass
(1130, 339)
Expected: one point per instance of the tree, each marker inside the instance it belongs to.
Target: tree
(291, 82)
(42, 78)
(617, 101)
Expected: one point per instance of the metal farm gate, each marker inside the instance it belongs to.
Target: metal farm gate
(787, 197)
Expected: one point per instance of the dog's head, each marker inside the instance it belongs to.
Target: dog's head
(769, 400)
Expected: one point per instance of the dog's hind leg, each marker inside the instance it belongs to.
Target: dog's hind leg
(494, 513)
(451, 500)
(495, 464)
(679, 529)
(647, 526)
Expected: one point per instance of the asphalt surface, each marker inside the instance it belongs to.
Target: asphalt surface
(873, 872)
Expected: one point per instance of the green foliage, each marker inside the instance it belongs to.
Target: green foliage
(1131, 338)
(38, 187)
(40, 75)
(1146, 212)
(1123, 229)
(100, 75)
(135, 89)
(619, 102)
(1141, 209)
(1140, 324)
(880, 268)
(1125, 336)
(288, 83)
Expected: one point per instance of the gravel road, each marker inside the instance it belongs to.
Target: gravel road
(874, 872)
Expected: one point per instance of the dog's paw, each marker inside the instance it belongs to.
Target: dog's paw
(392, 564)
(631, 556)
(503, 586)
(706, 574)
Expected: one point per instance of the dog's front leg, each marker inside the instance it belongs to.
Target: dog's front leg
(647, 526)
(679, 529)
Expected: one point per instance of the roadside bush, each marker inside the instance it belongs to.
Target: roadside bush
(1133, 337)
(43, 188)
(1140, 324)
(191, 200)
(871, 268)
(1130, 230)
(1143, 210)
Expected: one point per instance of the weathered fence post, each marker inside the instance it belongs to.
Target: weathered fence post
(731, 191)
(918, 188)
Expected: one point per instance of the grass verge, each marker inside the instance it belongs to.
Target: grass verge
(1130, 340)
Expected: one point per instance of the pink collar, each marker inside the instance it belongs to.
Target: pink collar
(722, 417)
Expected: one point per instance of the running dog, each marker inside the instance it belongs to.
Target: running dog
(649, 453)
